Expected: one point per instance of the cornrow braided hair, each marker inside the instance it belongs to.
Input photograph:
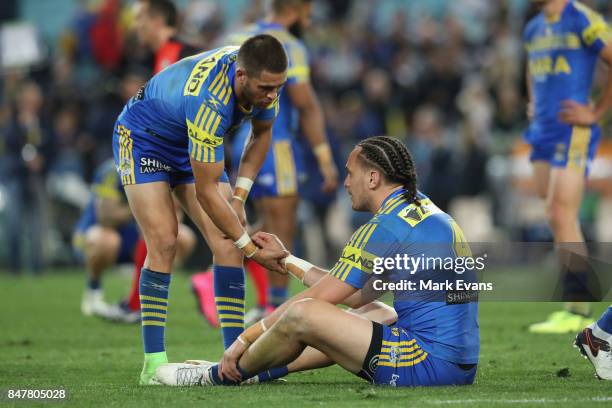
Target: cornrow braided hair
(390, 156)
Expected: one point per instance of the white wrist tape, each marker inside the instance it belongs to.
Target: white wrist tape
(243, 241)
(244, 183)
(300, 264)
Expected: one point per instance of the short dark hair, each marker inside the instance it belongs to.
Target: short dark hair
(391, 157)
(280, 5)
(262, 53)
(164, 8)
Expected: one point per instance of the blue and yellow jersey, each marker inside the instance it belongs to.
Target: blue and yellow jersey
(298, 71)
(562, 54)
(106, 185)
(191, 104)
(447, 331)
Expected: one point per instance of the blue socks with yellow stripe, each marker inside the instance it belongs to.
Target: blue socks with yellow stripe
(154, 308)
(229, 299)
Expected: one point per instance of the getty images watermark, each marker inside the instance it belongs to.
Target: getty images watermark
(404, 265)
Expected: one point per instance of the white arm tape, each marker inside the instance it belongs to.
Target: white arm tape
(300, 263)
(243, 241)
(244, 183)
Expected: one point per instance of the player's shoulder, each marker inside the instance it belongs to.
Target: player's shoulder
(422, 220)
(210, 78)
(583, 15)
(532, 25)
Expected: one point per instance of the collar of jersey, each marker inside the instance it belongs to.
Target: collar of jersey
(391, 196)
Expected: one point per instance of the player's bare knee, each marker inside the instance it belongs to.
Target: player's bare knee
(297, 316)
(162, 245)
(101, 242)
(560, 217)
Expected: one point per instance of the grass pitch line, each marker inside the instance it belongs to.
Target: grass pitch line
(519, 401)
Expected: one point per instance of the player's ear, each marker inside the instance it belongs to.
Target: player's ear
(241, 74)
(374, 179)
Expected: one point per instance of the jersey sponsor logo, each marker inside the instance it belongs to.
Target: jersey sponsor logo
(149, 165)
(202, 70)
(540, 67)
(551, 42)
(358, 258)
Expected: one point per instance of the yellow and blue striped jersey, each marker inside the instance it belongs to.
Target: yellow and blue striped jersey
(562, 54)
(446, 330)
(298, 70)
(191, 104)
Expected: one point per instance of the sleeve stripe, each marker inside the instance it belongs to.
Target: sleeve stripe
(355, 235)
(215, 125)
(367, 237)
(219, 86)
(366, 232)
(394, 206)
(203, 118)
(199, 115)
(209, 121)
(217, 79)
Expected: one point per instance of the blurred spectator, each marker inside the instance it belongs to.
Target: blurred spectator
(29, 154)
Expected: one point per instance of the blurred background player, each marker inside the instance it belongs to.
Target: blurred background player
(564, 42)
(106, 235)
(156, 27)
(276, 186)
(594, 344)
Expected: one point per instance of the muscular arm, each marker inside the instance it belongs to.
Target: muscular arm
(530, 96)
(605, 101)
(311, 116)
(256, 149)
(212, 201)
(312, 124)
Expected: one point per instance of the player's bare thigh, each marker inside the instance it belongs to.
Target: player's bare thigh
(153, 209)
(343, 337)
(541, 175)
(280, 216)
(226, 254)
(312, 358)
(563, 203)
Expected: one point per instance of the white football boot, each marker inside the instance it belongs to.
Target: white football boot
(594, 345)
(93, 302)
(184, 375)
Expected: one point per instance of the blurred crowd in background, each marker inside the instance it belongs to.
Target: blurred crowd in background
(445, 76)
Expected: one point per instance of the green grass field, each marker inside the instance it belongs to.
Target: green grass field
(46, 343)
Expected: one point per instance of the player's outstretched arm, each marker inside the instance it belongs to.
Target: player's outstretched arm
(312, 123)
(310, 274)
(223, 215)
(604, 103)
